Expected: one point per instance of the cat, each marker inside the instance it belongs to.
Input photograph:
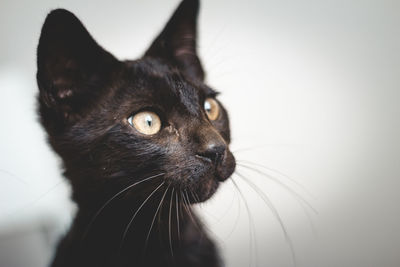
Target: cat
(140, 141)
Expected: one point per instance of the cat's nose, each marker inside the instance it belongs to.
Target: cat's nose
(213, 151)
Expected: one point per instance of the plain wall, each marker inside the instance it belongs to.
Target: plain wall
(312, 88)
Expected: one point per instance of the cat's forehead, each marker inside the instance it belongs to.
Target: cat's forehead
(150, 81)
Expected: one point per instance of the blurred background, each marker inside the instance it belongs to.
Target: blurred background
(312, 88)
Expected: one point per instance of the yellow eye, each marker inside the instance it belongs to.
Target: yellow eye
(146, 122)
(212, 108)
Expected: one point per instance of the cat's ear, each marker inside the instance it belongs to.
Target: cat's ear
(72, 67)
(177, 42)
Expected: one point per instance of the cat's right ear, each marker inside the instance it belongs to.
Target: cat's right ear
(72, 68)
(177, 42)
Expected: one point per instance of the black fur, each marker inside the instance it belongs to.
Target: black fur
(86, 96)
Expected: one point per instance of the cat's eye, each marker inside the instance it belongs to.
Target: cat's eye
(146, 122)
(212, 108)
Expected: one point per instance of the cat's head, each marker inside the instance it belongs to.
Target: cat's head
(115, 122)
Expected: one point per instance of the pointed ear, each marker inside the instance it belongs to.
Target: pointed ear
(72, 67)
(177, 42)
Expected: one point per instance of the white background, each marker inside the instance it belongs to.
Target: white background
(312, 88)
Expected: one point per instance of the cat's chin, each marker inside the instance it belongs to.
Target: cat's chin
(208, 185)
(204, 191)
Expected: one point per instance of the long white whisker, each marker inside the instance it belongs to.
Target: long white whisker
(177, 216)
(238, 214)
(187, 207)
(251, 224)
(136, 212)
(155, 215)
(169, 223)
(281, 174)
(274, 211)
(294, 193)
(116, 195)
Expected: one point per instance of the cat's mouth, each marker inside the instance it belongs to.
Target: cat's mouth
(204, 186)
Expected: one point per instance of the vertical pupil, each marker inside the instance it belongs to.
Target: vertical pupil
(149, 120)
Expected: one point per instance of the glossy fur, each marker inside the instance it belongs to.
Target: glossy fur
(133, 191)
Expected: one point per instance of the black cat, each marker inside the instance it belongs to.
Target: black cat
(140, 141)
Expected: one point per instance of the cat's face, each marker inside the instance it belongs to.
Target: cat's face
(118, 122)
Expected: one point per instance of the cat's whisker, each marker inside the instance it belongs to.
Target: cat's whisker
(136, 212)
(36, 200)
(252, 240)
(296, 195)
(244, 149)
(211, 45)
(274, 211)
(279, 173)
(227, 209)
(17, 178)
(260, 147)
(186, 205)
(154, 218)
(115, 196)
(197, 223)
(184, 201)
(169, 222)
(195, 196)
(177, 216)
(303, 206)
(238, 214)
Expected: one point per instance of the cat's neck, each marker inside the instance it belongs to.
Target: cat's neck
(123, 231)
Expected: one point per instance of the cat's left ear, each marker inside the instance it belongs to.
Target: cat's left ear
(177, 42)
